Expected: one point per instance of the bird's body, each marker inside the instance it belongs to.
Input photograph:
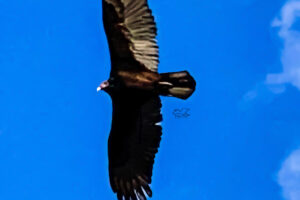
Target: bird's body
(135, 86)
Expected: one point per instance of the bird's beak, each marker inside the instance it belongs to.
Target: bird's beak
(98, 89)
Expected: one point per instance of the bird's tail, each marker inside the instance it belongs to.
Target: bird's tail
(176, 84)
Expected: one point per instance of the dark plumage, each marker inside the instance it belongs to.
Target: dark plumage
(134, 86)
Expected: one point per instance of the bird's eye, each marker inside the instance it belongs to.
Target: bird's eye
(104, 84)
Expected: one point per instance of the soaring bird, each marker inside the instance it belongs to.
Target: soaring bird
(134, 86)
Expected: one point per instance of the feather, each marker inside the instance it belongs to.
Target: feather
(140, 194)
(147, 190)
(131, 33)
(134, 138)
(120, 197)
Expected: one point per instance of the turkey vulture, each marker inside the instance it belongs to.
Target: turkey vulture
(134, 87)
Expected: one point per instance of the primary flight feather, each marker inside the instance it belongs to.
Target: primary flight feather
(135, 86)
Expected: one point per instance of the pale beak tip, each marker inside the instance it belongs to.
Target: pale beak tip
(98, 89)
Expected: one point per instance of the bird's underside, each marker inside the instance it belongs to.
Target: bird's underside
(136, 131)
(135, 87)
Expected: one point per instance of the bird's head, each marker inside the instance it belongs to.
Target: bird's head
(110, 86)
(105, 85)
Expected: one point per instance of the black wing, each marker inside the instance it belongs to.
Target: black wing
(134, 140)
(131, 32)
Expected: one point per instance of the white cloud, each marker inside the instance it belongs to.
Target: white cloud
(289, 176)
(290, 56)
(274, 84)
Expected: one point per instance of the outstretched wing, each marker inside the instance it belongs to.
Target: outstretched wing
(133, 142)
(131, 32)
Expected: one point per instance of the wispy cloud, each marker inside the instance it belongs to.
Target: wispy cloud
(289, 176)
(265, 91)
(290, 56)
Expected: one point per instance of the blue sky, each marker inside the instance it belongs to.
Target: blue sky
(241, 141)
